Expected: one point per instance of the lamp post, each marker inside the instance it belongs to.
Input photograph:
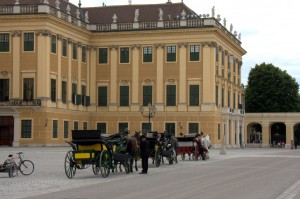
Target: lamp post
(150, 114)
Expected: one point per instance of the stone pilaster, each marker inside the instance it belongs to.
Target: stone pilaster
(16, 37)
(135, 78)
(113, 78)
(159, 77)
(182, 105)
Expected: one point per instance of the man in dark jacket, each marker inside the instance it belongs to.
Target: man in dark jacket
(145, 152)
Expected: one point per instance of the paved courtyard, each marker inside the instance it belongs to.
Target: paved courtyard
(49, 176)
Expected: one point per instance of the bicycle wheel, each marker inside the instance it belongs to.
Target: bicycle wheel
(26, 167)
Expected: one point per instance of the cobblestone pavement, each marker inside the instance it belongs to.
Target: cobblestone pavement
(49, 175)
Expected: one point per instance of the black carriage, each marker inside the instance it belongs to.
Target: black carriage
(90, 148)
(160, 149)
(9, 167)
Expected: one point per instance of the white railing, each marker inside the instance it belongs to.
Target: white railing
(29, 9)
(190, 23)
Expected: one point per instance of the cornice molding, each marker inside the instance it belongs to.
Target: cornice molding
(16, 33)
(43, 32)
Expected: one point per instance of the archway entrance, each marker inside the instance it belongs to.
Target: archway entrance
(6, 130)
(278, 135)
(254, 133)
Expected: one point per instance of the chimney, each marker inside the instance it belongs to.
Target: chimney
(169, 2)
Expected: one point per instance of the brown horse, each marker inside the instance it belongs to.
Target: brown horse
(132, 149)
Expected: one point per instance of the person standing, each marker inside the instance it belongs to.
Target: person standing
(145, 152)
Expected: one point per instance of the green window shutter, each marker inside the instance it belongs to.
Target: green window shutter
(4, 42)
(147, 95)
(171, 95)
(124, 55)
(102, 96)
(124, 95)
(103, 56)
(194, 95)
(66, 129)
(28, 41)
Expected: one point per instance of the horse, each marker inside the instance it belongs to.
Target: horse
(132, 149)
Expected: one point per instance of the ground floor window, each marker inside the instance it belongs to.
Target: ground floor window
(26, 128)
(170, 128)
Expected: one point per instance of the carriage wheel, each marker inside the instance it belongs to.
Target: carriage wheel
(96, 166)
(70, 165)
(13, 171)
(126, 165)
(157, 157)
(182, 155)
(104, 163)
(171, 157)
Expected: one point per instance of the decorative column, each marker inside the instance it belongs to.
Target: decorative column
(237, 133)
(208, 85)
(159, 77)
(16, 94)
(79, 60)
(43, 64)
(182, 105)
(69, 83)
(289, 134)
(113, 78)
(265, 135)
(91, 63)
(135, 78)
(17, 130)
(59, 79)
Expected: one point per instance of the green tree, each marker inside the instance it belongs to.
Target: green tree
(270, 89)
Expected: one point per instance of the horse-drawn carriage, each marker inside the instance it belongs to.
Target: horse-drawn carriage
(90, 148)
(186, 146)
(160, 148)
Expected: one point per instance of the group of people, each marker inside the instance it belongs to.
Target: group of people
(202, 145)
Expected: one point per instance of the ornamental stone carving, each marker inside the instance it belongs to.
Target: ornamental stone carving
(159, 45)
(136, 15)
(43, 32)
(16, 33)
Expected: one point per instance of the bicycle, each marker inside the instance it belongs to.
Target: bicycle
(26, 167)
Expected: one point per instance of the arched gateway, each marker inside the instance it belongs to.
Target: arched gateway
(272, 129)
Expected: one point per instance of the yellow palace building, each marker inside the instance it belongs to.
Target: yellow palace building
(157, 66)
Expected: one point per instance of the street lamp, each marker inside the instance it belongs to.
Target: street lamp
(150, 114)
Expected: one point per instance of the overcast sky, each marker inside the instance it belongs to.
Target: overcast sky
(269, 28)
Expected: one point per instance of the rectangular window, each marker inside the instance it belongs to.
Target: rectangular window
(75, 51)
(4, 90)
(146, 127)
(234, 101)
(194, 95)
(217, 69)
(55, 129)
(217, 95)
(64, 47)
(223, 97)
(217, 54)
(223, 58)
(26, 126)
(193, 127)
(124, 55)
(194, 53)
(228, 99)
(83, 54)
(53, 90)
(29, 41)
(147, 95)
(122, 126)
(75, 125)
(28, 89)
(102, 96)
(171, 95)
(124, 95)
(228, 61)
(103, 55)
(74, 89)
(84, 125)
(101, 127)
(170, 128)
(66, 129)
(64, 92)
(147, 54)
(219, 131)
(53, 44)
(171, 53)
(4, 42)
(83, 93)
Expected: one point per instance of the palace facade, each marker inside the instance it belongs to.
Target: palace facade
(64, 67)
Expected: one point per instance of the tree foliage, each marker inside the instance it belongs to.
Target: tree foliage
(270, 89)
